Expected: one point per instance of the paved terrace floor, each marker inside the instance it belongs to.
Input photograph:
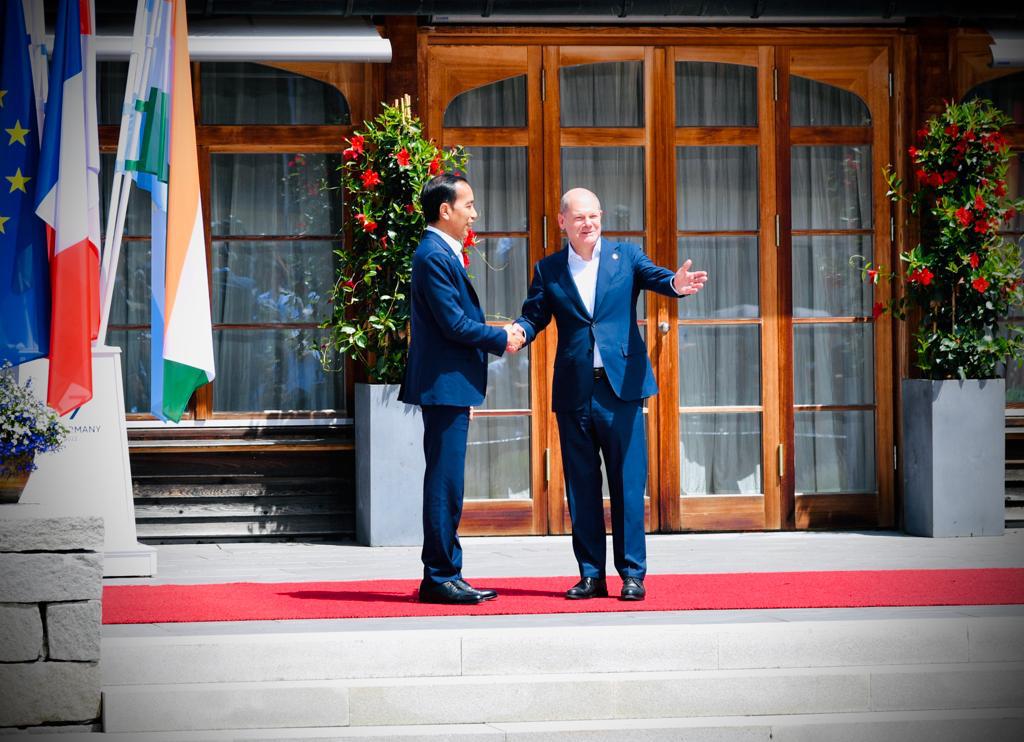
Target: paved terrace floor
(541, 556)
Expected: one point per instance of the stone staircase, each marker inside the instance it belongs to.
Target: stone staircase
(875, 674)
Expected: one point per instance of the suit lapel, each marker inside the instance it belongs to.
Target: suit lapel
(568, 284)
(607, 269)
(458, 267)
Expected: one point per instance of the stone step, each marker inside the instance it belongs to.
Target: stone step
(562, 697)
(992, 725)
(669, 642)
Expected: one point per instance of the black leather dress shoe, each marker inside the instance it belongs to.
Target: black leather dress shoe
(588, 587)
(487, 593)
(632, 589)
(449, 593)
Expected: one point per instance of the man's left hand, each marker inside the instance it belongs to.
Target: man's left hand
(686, 282)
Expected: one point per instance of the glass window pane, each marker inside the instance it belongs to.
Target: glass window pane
(602, 94)
(717, 188)
(720, 454)
(1014, 384)
(813, 103)
(247, 93)
(715, 94)
(835, 452)
(1015, 189)
(833, 364)
(256, 282)
(616, 175)
(259, 370)
(508, 381)
(732, 266)
(831, 187)
(499, 179)
(501, 103)
(111, 80)
(275, 194)
(498, 270)
(719, 365)
(825, 282)
(1007, 93)
(498, 458)
(135, 366)
(130, 304)
(138, 213)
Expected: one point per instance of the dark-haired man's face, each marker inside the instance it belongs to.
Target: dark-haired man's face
(458, 217)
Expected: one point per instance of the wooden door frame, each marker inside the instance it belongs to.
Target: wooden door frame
(780, 511)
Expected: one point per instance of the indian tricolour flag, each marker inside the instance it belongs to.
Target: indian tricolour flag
(158, 150)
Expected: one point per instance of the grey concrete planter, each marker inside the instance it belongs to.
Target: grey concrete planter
(389, 468)
(954, 455)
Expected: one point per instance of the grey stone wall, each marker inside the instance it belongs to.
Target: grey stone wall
(51, 573)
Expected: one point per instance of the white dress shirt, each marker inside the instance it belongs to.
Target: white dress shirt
(584, 275)
(451, 242)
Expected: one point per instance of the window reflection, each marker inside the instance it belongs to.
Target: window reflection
(602, 94)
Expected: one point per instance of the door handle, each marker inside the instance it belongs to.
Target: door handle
(663, 328)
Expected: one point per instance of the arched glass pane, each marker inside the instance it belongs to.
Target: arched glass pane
(501, 103)
(715, 94)
(247, 93)
(1006, 92)
(111, 79)
(814, 103)
(602, 94)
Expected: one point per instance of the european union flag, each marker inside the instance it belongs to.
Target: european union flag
(24, 260)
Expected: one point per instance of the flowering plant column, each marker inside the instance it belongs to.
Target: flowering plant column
(963, 278)
(383, 170)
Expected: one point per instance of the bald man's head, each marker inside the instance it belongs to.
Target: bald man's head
(579, 216)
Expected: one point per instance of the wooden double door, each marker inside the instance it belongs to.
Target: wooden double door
(761, 163)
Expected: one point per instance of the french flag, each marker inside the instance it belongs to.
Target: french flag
(67, 199)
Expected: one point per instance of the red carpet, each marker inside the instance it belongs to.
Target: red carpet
(251, 601)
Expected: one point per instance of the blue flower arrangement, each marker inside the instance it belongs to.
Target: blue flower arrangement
(27, 426)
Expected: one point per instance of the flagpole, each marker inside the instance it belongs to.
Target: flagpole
(121, 187)
(35, 21)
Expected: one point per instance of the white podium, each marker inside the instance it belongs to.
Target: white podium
(91, 475)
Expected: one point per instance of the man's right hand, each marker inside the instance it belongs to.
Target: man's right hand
(516, 337)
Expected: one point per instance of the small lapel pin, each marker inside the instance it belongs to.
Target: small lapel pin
(615, 256)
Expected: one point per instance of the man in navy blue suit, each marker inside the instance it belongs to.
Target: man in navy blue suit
(601, 377)
(446, 375)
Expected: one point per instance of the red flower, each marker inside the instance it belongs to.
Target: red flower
(979, 203)
(349, 284)
(922, 276)
(877, 310)
(360, 218)
(369, 226)
(465, 257)
(470, 240)
(922, 176)
(953, 130)
(980, 284)
(922, 134)
(355, 149)
(912, 151)
(403, 157)
(1000, 188)
(435, 165)
(370, 179)
(981, 226)
(1010, 214)
(873, 275)
(948, 176)
(969, 135)
(410, 209)
(964, 216)
(384, 241)
(974, 260)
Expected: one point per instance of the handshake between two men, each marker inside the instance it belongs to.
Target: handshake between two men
(685, 283)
